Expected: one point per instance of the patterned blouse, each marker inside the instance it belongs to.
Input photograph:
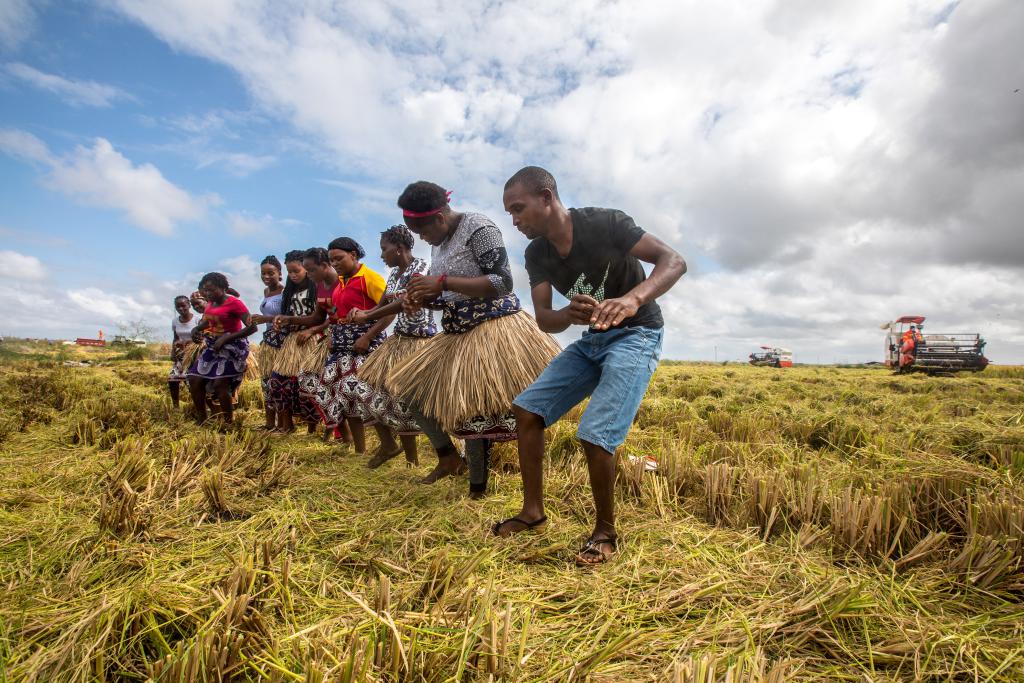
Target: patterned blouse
(473, 249)
(420, 324)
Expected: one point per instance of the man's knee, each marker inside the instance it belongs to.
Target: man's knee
(526, 420)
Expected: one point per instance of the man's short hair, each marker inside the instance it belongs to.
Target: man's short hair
(535, 179)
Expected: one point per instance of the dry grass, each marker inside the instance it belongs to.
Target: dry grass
(813, 524)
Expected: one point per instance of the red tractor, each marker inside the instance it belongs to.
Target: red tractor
(909, 349)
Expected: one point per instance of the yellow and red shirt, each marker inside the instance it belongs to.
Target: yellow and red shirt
(360, 292)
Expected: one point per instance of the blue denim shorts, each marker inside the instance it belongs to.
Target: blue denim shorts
(613, 368)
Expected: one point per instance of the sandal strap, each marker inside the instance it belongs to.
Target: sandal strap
(591, 547)
(527, 525)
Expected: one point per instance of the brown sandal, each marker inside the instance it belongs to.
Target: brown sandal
(536, 525)
(590, 554)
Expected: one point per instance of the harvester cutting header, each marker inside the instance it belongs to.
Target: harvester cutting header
(772, 356)
(909, 349)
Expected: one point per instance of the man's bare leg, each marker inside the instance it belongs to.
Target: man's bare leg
(530, 428)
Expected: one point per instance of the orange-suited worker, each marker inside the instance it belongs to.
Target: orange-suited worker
(909, 343)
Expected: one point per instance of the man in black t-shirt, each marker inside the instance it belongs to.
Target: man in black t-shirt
(592, 257)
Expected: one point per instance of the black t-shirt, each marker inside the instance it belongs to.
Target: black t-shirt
(598, 264)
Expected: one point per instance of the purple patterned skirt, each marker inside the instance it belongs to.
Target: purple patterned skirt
(228, 363)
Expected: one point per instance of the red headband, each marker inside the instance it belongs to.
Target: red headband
(423, 214)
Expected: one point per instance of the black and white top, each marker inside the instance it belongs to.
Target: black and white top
(419, 324)
(474, 248)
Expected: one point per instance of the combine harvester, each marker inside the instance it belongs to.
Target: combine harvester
(909, 349)
(772, 356)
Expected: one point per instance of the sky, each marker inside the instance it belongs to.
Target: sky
(823, 167)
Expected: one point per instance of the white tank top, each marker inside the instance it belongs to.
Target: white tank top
(183, 331)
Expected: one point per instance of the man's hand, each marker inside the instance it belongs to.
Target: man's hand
(221, 340)
(197, 336)
(581, 308)
(362, 345)
(422, 289)
(612, 312)
(280, 321)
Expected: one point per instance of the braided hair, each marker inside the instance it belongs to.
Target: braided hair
(272, 260)
(400, 236)
(307, 287)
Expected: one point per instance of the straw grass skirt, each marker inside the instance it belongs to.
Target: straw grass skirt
(384, 407)
(467, 381)
(266, 358)
(294, 357)
(189, 353)
(314, 358)
(252, 368)
(396, 349)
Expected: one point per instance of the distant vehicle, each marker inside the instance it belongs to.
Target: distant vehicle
(82, 341)
(909, 349)
(121, 340)
(772, 356)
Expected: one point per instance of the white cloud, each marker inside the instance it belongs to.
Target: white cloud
(819, 164)
(76, 93)
(20, 267)
(46, 307)
(238, 164)
(112, 307)
(17, 19)
(245, 225)
(102, 176)
(25, 146)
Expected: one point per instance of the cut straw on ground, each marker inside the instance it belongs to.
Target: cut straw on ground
(802, 525)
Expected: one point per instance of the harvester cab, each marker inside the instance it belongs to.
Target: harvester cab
(909, 349)
(772, 356)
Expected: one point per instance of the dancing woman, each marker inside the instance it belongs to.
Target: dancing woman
(270, 307)
(411, 331)
(298, 299)
(463, 381)
(222, 361)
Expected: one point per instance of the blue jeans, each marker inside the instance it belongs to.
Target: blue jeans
(613, 368)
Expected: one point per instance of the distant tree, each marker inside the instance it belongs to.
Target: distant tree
(136, 329)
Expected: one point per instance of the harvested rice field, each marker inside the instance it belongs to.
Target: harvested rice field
(807, 524)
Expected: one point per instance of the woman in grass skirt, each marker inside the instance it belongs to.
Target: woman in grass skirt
(297, 300)
(342, 393)
(411, 332)
(463, 381)
(221, 363)
(270, 307)
(308, 327)
(181, 337)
